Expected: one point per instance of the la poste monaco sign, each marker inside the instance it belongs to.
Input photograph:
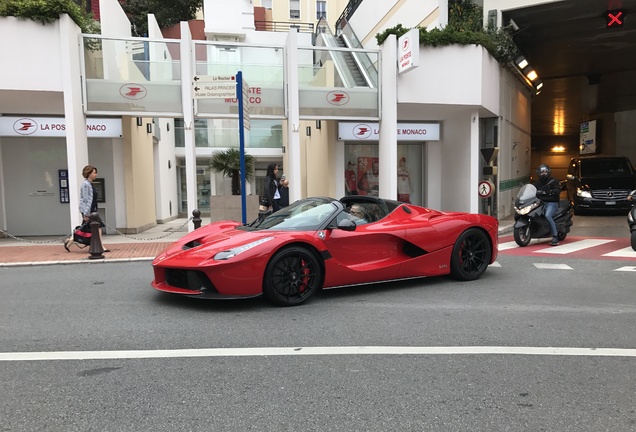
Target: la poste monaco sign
(56, 127)
(409, 50)
(352, 131)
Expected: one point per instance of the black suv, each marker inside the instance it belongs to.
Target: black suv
(600, 183)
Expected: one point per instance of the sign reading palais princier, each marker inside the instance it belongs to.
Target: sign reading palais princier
(405, 131)
(56, 127)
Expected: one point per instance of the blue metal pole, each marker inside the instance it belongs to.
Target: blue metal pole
(239, 96)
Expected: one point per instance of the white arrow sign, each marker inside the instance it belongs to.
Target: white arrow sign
(220, 90)
(213, 78)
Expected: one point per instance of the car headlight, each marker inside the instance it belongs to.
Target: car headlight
(583, 193)
(227, 254)
(527, 209)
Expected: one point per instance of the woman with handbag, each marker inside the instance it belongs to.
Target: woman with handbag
(88, 202)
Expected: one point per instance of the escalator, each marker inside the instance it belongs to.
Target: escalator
(354, 69)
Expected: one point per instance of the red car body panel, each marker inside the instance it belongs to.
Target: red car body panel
(409, 242)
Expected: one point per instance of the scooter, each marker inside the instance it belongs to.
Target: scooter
(530, 221)
(631, 218)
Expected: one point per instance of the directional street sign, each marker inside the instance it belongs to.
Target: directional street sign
(214, 90)
(246, 106)
(213, 78)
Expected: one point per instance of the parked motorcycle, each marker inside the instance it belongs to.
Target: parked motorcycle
(631, 218)
(530, 221)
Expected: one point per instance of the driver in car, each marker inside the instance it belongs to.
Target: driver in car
(358, 215)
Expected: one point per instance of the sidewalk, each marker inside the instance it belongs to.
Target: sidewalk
(49, 250)
(134, 247)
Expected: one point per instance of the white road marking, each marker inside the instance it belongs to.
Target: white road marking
(495, 264)
(304, 351)
(625, 252)
(552, 266)
(574, 247)
(627, 268)
(506, 246)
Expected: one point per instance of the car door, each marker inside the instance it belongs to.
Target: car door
(369, 253)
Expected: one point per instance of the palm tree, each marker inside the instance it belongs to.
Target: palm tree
(228, 162)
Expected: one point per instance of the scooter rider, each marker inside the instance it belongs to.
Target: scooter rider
(548, 191)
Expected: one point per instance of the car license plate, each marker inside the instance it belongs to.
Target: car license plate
(610, 202)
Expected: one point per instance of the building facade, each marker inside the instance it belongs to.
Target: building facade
(415, 136)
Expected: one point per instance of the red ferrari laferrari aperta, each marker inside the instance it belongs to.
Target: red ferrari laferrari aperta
(325, 243)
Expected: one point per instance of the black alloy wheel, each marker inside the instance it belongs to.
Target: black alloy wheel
(471, 255)
(292, 276)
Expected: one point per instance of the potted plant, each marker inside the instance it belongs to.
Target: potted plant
(228, 162)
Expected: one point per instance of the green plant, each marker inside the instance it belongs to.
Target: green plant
(465, 27)
(48, 11)
(166, 13)
(228, 162)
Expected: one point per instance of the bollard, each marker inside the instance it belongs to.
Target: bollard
(96, 249)
(196, 218)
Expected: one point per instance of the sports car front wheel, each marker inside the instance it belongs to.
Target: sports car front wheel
(292, 276)
(471, 255)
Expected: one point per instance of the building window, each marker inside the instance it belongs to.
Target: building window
(321, 9)
(267, 4)
(294, 9)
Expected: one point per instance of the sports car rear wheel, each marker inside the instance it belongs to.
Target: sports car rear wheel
(471, 255)
(292, 276)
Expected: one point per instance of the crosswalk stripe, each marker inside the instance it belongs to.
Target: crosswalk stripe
(574, 246)
(627, 268)
(506, 246)
(625, 252)
(553, 266)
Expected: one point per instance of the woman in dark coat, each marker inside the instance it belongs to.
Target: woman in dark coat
(270, 187)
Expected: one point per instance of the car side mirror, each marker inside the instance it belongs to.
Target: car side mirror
(347, 225)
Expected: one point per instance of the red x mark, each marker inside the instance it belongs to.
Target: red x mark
(614, 18)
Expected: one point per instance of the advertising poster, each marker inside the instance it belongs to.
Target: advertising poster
(368, 172)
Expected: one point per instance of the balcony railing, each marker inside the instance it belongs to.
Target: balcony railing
(283, 26)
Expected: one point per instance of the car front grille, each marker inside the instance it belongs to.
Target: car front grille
(610, 194)
(189, 279)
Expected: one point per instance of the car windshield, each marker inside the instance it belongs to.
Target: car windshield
(304, 215)
(605, 167)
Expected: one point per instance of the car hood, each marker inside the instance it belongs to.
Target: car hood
(202, 244)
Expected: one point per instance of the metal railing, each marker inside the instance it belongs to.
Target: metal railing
(283, 26)
(346, 14)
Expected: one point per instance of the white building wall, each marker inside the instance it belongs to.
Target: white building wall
(114, 22)
(228, 17)
(373, 16)
(165, 166)
(452, 75)
(42, 47)
(454, 182)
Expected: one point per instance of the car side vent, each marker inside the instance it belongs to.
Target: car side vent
(406, 209)
(413, 251)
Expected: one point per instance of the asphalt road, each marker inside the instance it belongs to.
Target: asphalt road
(452, 364)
